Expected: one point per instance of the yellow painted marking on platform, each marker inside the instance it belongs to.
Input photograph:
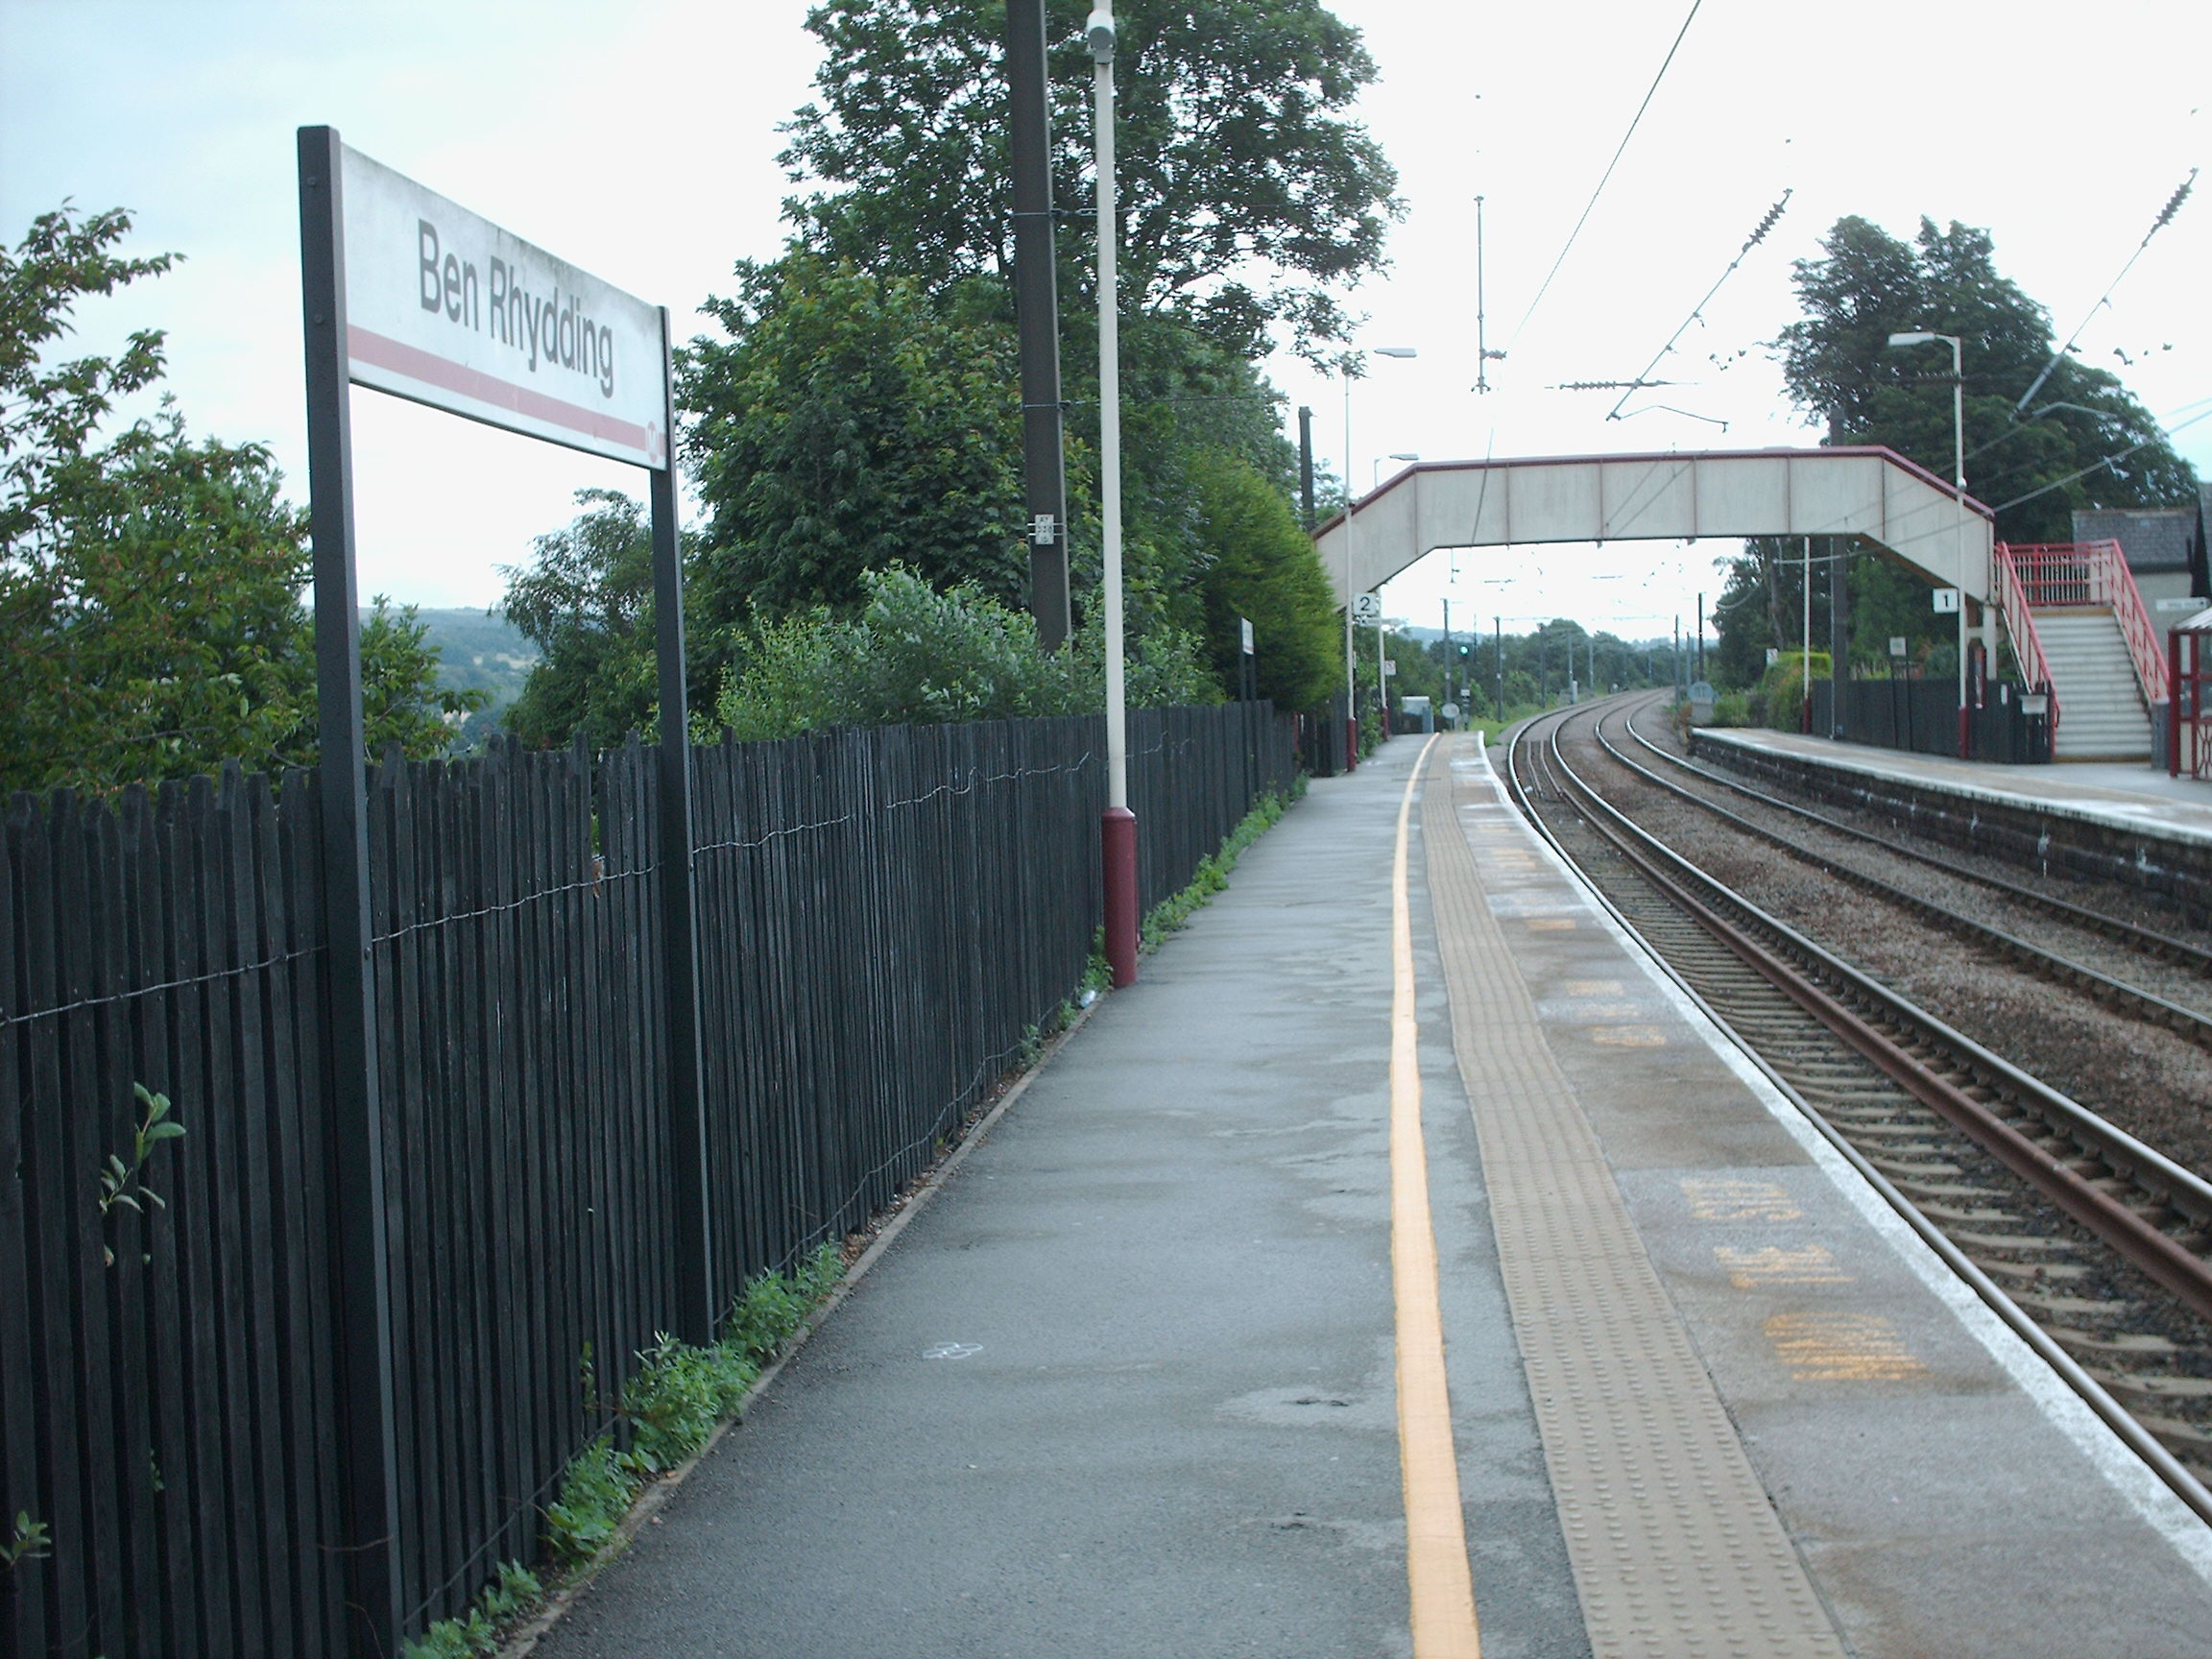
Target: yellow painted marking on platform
(1629, 1036)
(1593, 1012)
(1749, 1269)
(1551, 923)
(1439, 1584)
(1593, 988)
(1842, 1348)
(1722, 1199)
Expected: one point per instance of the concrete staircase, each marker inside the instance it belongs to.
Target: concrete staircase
(2101, 715)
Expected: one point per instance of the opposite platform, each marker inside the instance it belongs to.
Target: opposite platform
(2125, 797)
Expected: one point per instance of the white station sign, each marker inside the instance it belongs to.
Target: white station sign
(447, 309)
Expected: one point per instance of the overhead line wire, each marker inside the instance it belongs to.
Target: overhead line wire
(2165, 217)
(1609, 166)
(1697, 311)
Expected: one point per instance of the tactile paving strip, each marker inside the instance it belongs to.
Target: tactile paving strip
(1676, 1550)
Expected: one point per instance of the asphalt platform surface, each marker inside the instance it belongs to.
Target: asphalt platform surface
(1124, 1386)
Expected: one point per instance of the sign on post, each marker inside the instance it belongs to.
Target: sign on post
(1367, 607)
(405, 292)
(449, 309)
(1946, 600)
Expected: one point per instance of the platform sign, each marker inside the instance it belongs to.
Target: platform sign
(405, 292)
(447, 309)
(1389, 665)
(1367, 607)
(1946, 600)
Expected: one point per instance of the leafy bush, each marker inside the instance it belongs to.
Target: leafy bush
(915, 656)
(1778, 698)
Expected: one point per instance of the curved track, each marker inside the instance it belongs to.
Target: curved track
(2091, 1245)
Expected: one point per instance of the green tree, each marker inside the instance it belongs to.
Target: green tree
(1837, 364)
(586, 601)
(849, 422)
(1247, 194)
(149, 586)
(1264, 570)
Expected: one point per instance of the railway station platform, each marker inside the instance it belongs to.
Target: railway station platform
(1406, 1268)
(2140, 799)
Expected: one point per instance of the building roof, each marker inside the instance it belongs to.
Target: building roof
(2152, 538)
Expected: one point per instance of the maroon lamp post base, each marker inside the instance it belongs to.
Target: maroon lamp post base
(1351, 745)
(1118, 853)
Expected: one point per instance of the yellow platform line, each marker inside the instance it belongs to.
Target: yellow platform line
(1439, 1584)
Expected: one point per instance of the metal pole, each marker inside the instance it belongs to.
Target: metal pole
(1958, 476)
(1306, 464)
(1482, 327)
(1036, 307)
(360, 1258)
(1381, 680)
(1351, 509)
(1805, 660)
(1839, 631)
(678, 908)
(1498, 624)
(1118, 830)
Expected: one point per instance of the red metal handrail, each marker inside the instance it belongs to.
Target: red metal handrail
(2093, 573)
(2020, 623)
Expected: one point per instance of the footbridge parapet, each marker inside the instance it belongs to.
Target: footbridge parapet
(1870, 493)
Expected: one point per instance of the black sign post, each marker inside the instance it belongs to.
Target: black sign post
(678, 912)
(371, 1506)
(355, 1146)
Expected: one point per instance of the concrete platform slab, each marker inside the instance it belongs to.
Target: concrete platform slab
(2141, 798)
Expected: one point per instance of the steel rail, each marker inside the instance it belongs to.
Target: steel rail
(2144, 940)
(2123, 1423)
(2175, 1017)
(2184, 1273)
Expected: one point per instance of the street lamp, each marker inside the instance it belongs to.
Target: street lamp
(1351, 510)
(1381, 665)
(1921, 337)
(1118, 830)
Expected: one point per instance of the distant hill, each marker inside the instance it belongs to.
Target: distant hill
(478, 649)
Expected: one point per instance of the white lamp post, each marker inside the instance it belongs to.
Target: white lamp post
(1922, 337)
(1118, 832)
(1382, 667)
(1351, 510)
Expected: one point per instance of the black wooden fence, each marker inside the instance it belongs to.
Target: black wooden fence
(884, 917)
(1922, 716)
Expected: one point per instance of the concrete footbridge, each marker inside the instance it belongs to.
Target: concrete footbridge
(1873, 494)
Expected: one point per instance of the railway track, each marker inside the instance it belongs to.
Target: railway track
(2179, 1003)
(2090, 1243)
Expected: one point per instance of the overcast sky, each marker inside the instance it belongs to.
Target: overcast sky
(638, 140)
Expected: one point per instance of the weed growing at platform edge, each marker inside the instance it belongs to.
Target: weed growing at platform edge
(680, 1396)
(1213, 872)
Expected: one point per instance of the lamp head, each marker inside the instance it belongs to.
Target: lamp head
(1394, 350)
(1918, 338)
(1098, 33)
